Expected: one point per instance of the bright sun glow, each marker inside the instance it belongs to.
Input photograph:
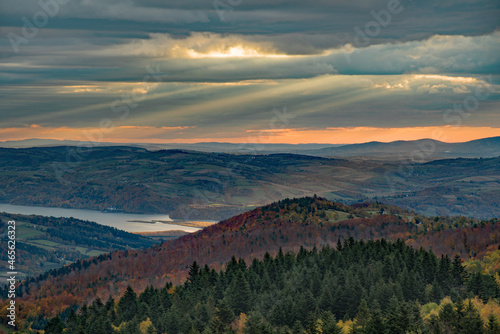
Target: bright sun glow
(234, 52)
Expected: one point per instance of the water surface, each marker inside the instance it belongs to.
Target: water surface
(120, 220)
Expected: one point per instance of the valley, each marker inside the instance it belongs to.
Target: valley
(190, 185)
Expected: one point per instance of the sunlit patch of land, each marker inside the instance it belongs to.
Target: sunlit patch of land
(163, 235)
(197, 224)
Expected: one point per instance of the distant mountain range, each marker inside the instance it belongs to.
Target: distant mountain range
(201, 147)
(423, 149)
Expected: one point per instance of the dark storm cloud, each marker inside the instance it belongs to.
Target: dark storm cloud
(331, 22)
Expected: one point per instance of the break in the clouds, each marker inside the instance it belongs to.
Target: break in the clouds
(214, 70)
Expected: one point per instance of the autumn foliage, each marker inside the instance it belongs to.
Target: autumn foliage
(288, 224)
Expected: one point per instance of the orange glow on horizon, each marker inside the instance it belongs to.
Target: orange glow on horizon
(186, 135)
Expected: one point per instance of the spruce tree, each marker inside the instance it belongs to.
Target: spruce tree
(257, 324)
(298, 328)
(472, 322)
(376, 323)
(329, 323)
(72, 322)
(132, 327)
(458, 271)
(54, 326)
(151, 330)
(447, 318)
(362, 317)
(396, 320)
(493, 327)
(194, 271)
(100, 325)
(127, 306)
(240, 295)
(224, 313)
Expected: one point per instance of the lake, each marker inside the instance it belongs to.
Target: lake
(120, 220)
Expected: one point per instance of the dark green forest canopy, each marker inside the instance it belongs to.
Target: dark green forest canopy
(381, 284)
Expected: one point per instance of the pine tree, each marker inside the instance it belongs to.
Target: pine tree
(362, 317)
(297, 328)
(325, 299)
(194, 271)
(224, 313)
(132, 327)
(415, 318)
(192, 330)
(265, 282)
(376, 323)
(110, 303)
(472, 322)
(152, 330)
(493, 327)
(305, 305)
(218, 327)
(127, 306)
(72, 323)
(457, 322)
(100, 325)
(396, 319)
(435, 326)
(458, 271)
(240, 295)
(54, 326)
(329, 323)
(447, 318)
(257, 324)
(443, 275)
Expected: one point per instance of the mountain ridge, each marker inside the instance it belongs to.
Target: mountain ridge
(484, 147)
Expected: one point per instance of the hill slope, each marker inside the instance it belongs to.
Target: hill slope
(44, 243)
(288, 224)
(381, 284)
(196, 185)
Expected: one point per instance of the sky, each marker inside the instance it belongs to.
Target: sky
(256, 71)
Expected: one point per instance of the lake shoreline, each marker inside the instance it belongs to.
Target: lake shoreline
(130, 222)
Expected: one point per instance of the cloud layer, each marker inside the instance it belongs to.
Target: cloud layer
(224, 70)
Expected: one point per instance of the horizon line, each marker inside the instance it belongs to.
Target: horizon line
(239, 143)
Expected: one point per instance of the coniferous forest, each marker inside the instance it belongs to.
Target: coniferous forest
(358, 287)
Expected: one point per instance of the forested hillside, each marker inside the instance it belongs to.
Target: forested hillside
(375, 287)
(44, 243)
(289, 224)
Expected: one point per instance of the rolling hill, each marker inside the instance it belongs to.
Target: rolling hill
(433, 149)
(480, 148)
(197, 185)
